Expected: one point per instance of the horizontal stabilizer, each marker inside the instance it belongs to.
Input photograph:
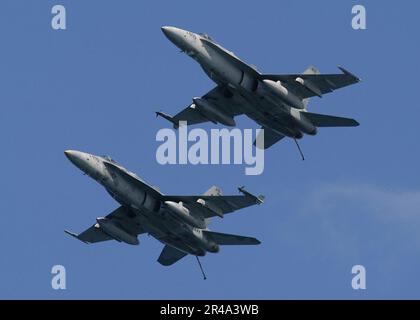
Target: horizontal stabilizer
(322, 120)
(170, 255)
(230, 239)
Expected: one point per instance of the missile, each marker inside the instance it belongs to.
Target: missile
(284, 94)
(183, 213)
(208, 110)
(114, 231)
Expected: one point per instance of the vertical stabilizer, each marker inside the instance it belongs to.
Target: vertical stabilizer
(309, 70)
(215, 192)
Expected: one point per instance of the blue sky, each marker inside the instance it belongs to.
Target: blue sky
(95, 87)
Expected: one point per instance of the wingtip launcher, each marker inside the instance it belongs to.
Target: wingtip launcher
(345, 71)
(258, 199)
(74, 235)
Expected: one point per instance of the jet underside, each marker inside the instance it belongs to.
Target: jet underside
(269, 112)
(180, 222)
(158, 221)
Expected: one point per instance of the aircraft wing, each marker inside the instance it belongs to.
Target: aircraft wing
(218, 205)
(90, 235)
(228, 101)
(310, 85)
(123, 215)
(170, 255)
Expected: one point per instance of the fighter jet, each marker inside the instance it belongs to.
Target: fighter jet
(179, 222)
(277, 102)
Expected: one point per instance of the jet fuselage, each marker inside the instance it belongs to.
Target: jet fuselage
(168, 222)
(266, 99)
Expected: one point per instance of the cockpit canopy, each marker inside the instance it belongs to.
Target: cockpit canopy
(206, 36)
(108, 158)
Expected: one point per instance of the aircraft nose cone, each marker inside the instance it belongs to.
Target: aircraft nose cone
(69, 154)
(175, 35)
(83, 161)
(74, 156)
(168, 32)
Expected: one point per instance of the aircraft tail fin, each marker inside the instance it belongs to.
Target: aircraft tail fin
(213, 191)
(231, 239)
(309, 70)
(170, 255)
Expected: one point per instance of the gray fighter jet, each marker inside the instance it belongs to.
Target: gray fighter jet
(179, 222)
(277, 102)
